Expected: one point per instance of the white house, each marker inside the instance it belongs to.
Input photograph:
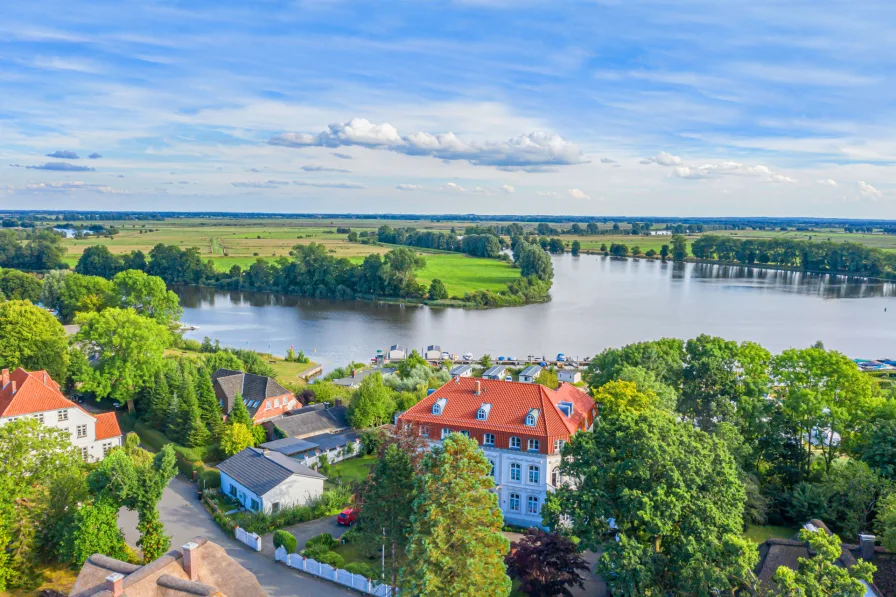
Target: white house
(433, 352)
(660, 233)
(569, 376)
(495, 372)
(397, 352)
(462, 371)
(264, 481)
(530, 374)
(36, 395)
(521, 428)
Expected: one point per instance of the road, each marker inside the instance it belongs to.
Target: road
(184, 518)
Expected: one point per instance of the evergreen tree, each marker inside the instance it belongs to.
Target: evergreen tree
(239, 413)
(456, 546)
(208, 403)
(159, 402)
(190, 428)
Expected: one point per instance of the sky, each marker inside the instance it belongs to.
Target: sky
(581, 107)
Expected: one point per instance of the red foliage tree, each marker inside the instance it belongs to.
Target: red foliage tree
(546, 564)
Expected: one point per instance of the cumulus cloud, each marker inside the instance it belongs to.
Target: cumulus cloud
(828, 182)
(322, 169)
(94, 156)
(607, 161)
(329, 185)
(508, 189)
(663, 159)
(62, 167)
(408, 187)
(730, 168)
(578, 194)
(66, 186)
(456, 188)
(547, 194)
(63, 154)
(869, 191)
(532, 149)
(342, 156)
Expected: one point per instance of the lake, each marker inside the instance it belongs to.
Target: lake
(597, 302)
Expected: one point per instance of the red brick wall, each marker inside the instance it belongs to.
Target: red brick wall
(261, 414)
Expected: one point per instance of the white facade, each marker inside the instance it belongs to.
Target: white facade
(433, 353)
(569, 376)
(660, 233)
(81, 428)
(293, 491)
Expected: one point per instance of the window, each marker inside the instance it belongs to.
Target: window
(555, 477)
(424, 431)
(82, 430)
(533, 445)
(85, 455)
(436, 409)
(40, 418)
(515, 443)
(481, 414)
(233, 490)
(253, 504)
(532, 505)
(558, 445)
(534, 474)
(107, 447)
(530, 420)
(275, 507)
(62, 414)
(516, 472)
(445, 432)
(465, 433)
(514, 502)
(277, 402)
(488, 439)
(492, 472)
(267, 405)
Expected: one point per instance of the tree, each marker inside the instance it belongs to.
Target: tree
(485, 361)
(236, 438)
(437, 290)
(885, 522)
(664, 252)
(32, 339)
(546, 564)
(147, 295)
(80, 294)
(617, 397)
(679, 248)
(388, 503)
(669, 488)
(664, 358)
(372, 404)
(239, 413)
(98, 260)
(160, 402)
(534, 261)
(819, 576)
(129, 350)
(647, 382)
(456, 546)
(576, 247)
(16, 285)
(94, 530)
(549, 378)
(209, 406)
(189, 428)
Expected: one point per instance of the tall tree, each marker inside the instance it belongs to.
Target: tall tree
(669, 488)
(679, 248)
(16, 285)
(820, 576)
(239, 413)
(456, 546)
(208, 403)
(388, 503)
(147, 295)
(129, 350)
(547, 564)
(160, 402)
(32, 339)
(373, 403)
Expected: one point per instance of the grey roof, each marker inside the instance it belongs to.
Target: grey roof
(313, 419)
(494, 371)
(260, 471)
(254, 389)
(398, 347)
(350, 382)
(289, 446)
(434, 347)
(328, 441)
(461, 369)
(530, 371)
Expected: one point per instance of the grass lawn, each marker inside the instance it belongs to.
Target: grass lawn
(462, 274)
(353, 469)
(759, 533)
(56, 577)
(285, 371)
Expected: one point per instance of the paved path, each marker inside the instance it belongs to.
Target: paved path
(304, 531)
(185, 517)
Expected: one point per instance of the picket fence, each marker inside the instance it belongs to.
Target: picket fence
(342, 577)
(250, 539)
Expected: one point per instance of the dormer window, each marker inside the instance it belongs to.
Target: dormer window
(482, 413)
(439, 406)
(532, 418)
(566, 407)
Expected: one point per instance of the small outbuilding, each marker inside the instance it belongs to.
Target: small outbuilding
(530, 374)
(433, 352)
(462, 371)
(397, 352)
(495, 372)
(569, 376)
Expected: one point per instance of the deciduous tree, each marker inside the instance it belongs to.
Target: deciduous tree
(819, 576)
(236, 438)
(372, 404)
(547, 564)
(32, 339)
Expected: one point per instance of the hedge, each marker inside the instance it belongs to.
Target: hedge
(286, 540)
(360, 568)
(324, 556)
(210, 478)
(325, 540)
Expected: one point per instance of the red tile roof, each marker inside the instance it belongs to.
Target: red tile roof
(511, 402)
(107, 426)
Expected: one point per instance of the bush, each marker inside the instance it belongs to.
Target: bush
(317, 552)
(285, 540)
(330, 502)
(332, 558)
(325, 540)
(360, 568)
(210, 478)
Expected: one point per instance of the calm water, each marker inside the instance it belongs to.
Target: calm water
(598, 302)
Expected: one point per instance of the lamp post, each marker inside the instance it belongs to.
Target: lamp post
(383, 573)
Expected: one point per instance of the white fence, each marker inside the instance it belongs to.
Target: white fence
(342, 577)
(250, 539)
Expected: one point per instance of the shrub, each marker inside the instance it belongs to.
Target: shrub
(360, 568)
(332, 558)
(315, 553)
(325, 540)
(285, 540)
(210, 478)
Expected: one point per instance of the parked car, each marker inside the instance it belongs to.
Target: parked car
(347, 517)
(508, 378)
(446, 356)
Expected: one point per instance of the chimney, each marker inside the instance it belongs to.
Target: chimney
(478, 389)
(867, 544)
(115, 584)
(354, 371)
(191, 561)
(5, 379)
(13, 382)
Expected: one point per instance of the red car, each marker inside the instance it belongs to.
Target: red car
(347, 517)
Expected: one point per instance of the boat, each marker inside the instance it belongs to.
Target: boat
(468, 356)
(561, 357)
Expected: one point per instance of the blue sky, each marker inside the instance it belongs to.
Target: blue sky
(640, 107)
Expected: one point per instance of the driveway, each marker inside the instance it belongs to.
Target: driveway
(304, 531)
(184, 517)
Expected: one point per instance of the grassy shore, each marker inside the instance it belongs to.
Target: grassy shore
(287, 372)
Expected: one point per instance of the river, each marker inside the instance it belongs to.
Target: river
(597, 302)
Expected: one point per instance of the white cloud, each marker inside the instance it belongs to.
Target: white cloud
(408, 187)
(828, 182)
(329, 185)
(250, 184)
(63, 187)
(729, 168)
(663, 159)
(456, 188)
(547, 194)
(578, 194)
(524, 151)
(322, 169)
(869, 191)
(508, 189)
(607, 161)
